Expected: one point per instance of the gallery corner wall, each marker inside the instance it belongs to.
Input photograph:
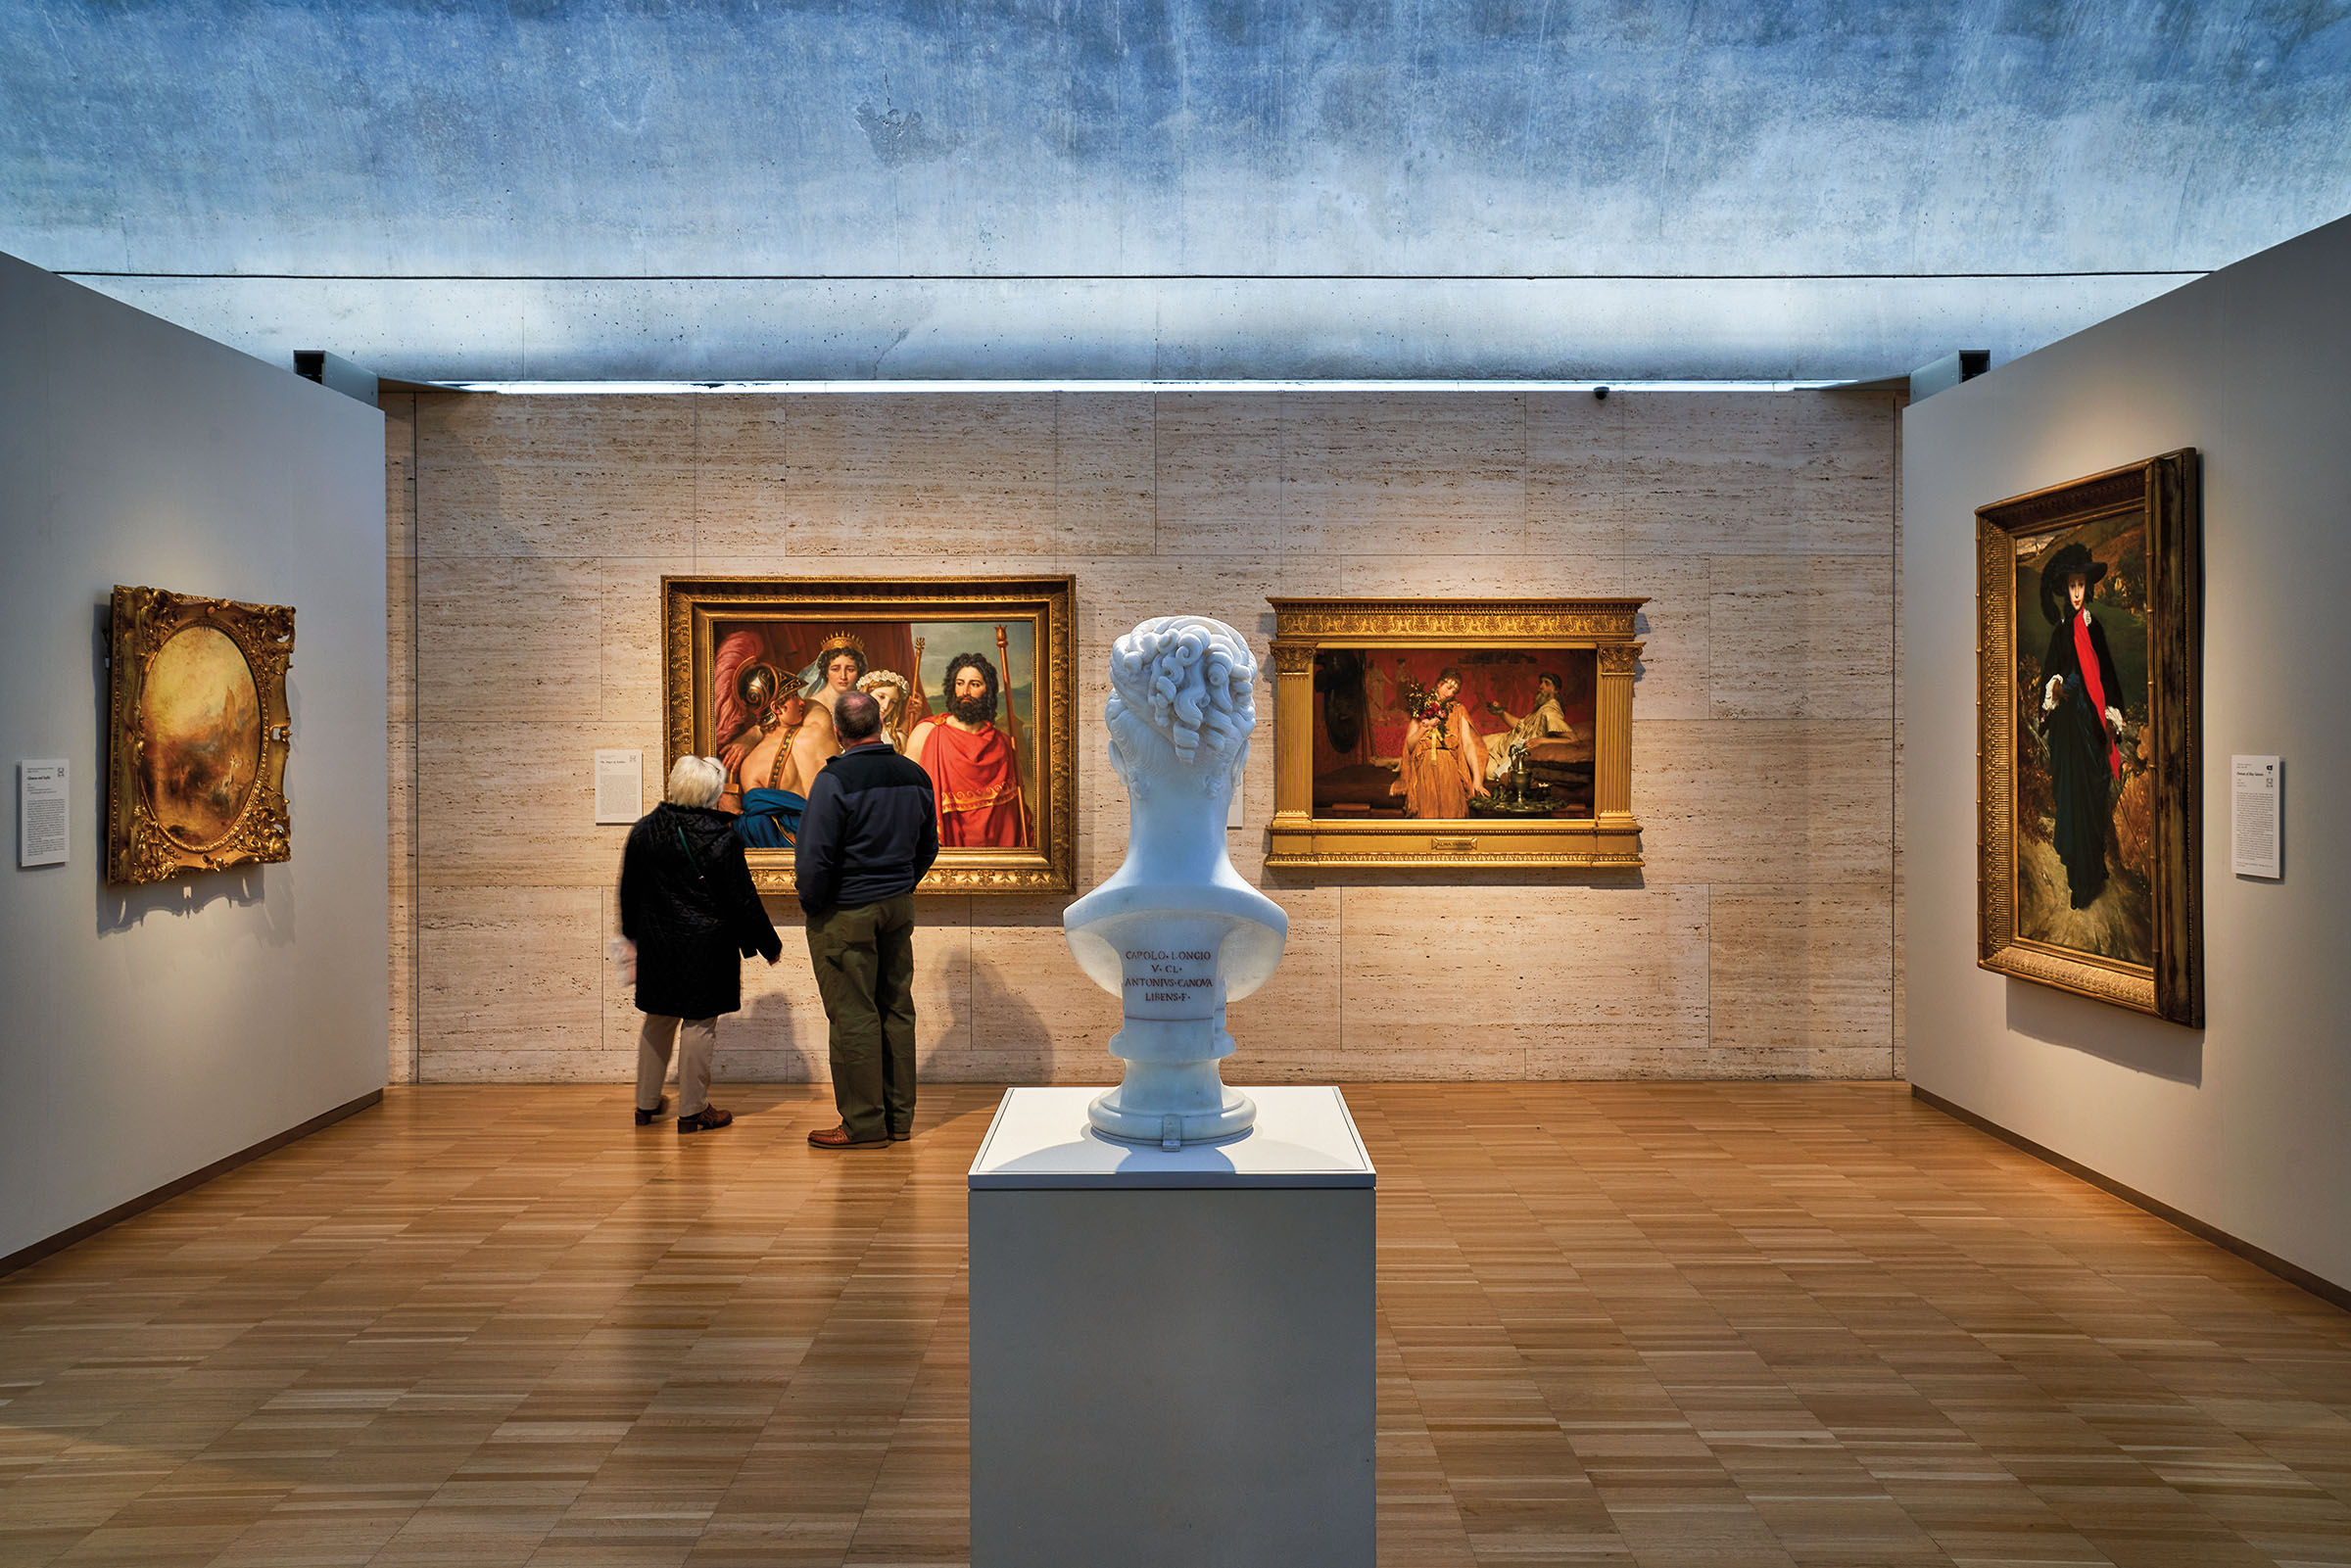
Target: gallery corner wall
(1759, 940)
(2239, 1125)
(153, 1032)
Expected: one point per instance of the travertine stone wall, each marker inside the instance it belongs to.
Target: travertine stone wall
(529, 535)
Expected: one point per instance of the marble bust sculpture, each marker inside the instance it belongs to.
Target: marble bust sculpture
(1174, 933)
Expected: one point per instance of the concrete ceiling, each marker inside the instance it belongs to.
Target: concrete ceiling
(1569, 189)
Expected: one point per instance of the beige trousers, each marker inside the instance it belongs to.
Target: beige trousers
(694, 1063)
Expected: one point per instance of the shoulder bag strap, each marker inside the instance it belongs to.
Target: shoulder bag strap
(685, 849)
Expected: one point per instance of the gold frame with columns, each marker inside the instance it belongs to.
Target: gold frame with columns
(1609, 839)
(138, 847)
(2166, 493)
(690, 605)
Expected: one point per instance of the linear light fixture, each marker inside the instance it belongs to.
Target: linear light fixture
(641, 388)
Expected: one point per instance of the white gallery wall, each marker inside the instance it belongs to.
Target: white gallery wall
(2246, 1123)
(152, 1031)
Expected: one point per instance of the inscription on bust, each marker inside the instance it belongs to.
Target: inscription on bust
(1169, 981)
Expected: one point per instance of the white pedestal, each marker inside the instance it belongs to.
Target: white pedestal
(1172, 1352)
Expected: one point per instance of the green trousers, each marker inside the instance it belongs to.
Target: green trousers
(864, 961)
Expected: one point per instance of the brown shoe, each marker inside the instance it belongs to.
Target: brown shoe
(704, 1120)
(901, 1137)
(645, 1119)
(838, 1138)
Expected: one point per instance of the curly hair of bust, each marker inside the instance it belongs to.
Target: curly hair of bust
(1193, 679)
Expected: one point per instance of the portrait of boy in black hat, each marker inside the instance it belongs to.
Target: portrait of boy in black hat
(2086, 757)
(2080, 719)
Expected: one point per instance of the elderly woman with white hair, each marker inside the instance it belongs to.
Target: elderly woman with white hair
(690, 911)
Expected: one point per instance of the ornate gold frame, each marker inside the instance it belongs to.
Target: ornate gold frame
(1608, 840)
(2165, 491)
(688, 605)
(137, 847)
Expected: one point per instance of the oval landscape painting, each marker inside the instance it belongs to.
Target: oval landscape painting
(201, 722)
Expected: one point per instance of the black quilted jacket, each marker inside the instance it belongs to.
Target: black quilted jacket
(687, 903)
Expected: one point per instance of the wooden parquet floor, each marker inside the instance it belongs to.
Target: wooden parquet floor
(1656, 1324)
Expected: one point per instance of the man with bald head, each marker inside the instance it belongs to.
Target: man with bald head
(868, 834)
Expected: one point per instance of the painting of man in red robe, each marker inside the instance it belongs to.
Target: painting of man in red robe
(975, 678)
(974, 760)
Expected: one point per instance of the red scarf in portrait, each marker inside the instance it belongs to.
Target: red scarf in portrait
(2088, 657)
(978, 782)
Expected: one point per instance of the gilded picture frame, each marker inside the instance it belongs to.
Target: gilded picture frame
(197, 735)
(2089, 659)
(1453, 733)
(748, 660)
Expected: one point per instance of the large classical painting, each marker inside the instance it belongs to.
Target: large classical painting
(975, 681)
(2088, 712)
(197, 736)
(1454, 732)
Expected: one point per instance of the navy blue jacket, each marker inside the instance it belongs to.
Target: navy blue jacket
(870, 832)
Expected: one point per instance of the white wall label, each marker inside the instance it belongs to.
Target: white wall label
(619, 786)
(41, 828)
(2253, 816)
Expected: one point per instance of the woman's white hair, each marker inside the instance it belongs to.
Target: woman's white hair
(1190, 682)
(696, 781)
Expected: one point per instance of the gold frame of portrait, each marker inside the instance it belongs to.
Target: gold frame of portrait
(142, 621)
(690, 604)
(2165, 491)
(1609, 839)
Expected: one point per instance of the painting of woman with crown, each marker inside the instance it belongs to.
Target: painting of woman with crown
(771, 658)
(778, 727)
